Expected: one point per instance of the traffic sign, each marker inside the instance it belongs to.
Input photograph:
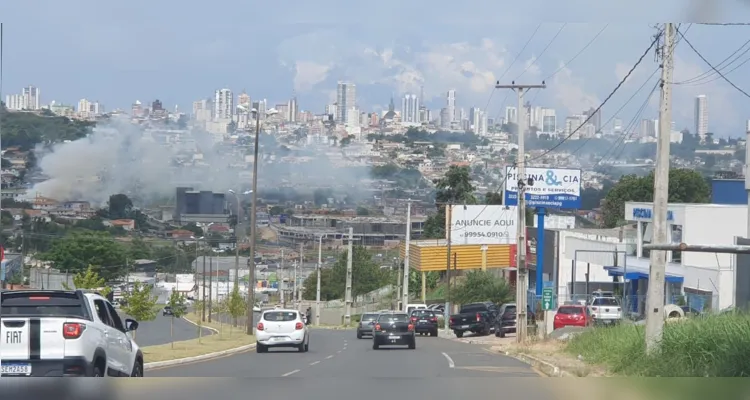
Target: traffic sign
(548, 302)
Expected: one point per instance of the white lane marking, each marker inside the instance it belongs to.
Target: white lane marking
(338, 351)
(451, 364)
(291, 373)
(329, 357)
(313, 363)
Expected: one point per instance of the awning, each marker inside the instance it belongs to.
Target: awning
(637, 274)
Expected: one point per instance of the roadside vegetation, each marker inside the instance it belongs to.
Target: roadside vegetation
(710, 346)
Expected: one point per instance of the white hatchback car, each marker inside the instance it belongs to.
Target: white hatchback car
(282, 328)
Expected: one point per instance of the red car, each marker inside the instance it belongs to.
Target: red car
(572, 315)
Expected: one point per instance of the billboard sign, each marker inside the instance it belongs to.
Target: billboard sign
(553, 187)
(483, 224)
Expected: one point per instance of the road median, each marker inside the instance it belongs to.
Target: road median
(224, 341)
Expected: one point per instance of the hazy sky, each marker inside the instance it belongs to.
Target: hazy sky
(117, 52)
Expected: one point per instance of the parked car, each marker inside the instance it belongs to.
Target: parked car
(605, 310)
(506, 321)
(478, 318)
(572, 315)
(167, 311)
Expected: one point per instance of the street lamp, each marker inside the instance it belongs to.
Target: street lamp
(253, 229)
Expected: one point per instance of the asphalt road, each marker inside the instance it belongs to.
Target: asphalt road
(156, 332)
(437, 369)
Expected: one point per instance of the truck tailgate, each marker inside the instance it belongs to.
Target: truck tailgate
(29, 338)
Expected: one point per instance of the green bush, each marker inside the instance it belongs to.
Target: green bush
(711, 346)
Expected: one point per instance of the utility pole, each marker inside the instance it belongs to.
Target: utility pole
(348, 293)
(655, 294)
(210, 285)
(399, 296)
(522, 281)
(317, 288)
(405, 292)
(281, 281)
(250, 329)
(203, 294)
(448, 230)
(299, 269)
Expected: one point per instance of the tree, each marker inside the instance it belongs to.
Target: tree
(78, 250)
(89, 279)
(140, 303)
(26, 130)
(328, 291)
(119, 206)
(366, 277)
(415, 281)
(483, 286)
(236, 305)
(685, 186)
(454, 188)
(276, 210)
(362, 211)
(179, 308)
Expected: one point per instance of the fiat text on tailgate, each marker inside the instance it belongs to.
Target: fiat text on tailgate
(65, 333)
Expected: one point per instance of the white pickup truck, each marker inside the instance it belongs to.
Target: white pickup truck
(53, 333)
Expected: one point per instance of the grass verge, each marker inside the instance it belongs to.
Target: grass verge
(227, 338)
(710, 346)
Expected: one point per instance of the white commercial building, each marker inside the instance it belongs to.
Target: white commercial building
(596, 258)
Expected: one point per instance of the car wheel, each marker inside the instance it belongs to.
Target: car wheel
(375, 345)
(459, 334)
(259, 348)
(307, 346)
(502, 333)
(497, 333)
(413, 344)
(137, 370)
(96, 372)
(434, 333)
(359, 335)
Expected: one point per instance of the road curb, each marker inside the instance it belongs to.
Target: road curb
(202, 357)
(214, 330)
(546, 368)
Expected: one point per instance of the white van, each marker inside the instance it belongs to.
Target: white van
(416, 306)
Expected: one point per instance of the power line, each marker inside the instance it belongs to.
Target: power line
(511, 66)
(708, 74)
(543, 50)
(719, 77)
(710, 65)
(591, 115)
(565, 64)
(725, 23)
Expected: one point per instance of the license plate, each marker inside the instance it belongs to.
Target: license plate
(422, 322)
(278, 338)
(15, 369)
(607, 321)
(465, 327)
(393, 337)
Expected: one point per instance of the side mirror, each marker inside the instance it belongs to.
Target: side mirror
(131, 325)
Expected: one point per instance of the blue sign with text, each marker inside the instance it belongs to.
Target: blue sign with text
(551, 188)
(647, 214)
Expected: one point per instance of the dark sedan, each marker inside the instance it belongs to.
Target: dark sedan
(366, 324)
(394, 329)
(425, 322)
(167, 311)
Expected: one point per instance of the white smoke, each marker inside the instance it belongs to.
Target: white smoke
(118, 157)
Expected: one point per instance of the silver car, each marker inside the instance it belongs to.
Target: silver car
(366, 324)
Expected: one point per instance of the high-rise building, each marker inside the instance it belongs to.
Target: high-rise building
(617, 125)
(244, 100)
(701, 116)
(479, 121)
(410, 109)
(596, 118)
(346, 99)
(29, 99)
(451, 105)
(293, 110)
(511, 115)
(223, 104)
